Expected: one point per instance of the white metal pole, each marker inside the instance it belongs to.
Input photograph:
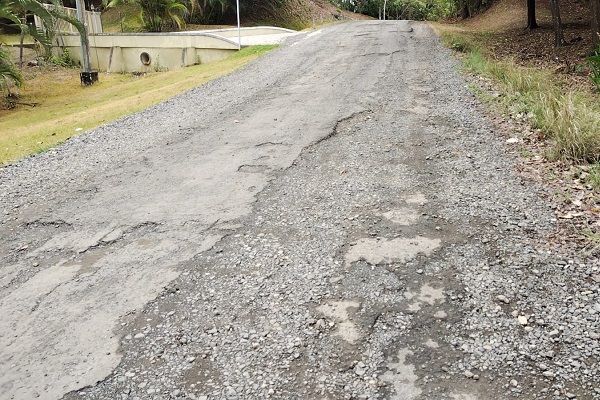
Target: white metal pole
(237, 3)
(384, 7)
(85, 46)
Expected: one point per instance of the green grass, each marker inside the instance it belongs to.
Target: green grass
(593, 177)
(593, 243)
(65, 108)
(569, 117)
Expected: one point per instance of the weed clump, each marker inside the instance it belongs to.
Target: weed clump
(64, 59)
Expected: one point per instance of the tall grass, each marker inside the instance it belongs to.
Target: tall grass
(569, 117)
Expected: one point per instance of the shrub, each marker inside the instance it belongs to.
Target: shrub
(594, 62)
(64, 60)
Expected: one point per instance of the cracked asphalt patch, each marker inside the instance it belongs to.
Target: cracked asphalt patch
(330, 245)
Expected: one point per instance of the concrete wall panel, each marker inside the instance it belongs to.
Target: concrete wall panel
(123, 52)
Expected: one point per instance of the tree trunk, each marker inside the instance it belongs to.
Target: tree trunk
(595, 16)
(531, 22)
(464, 9)
(559, 39)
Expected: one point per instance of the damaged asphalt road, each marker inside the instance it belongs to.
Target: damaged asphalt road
(336, 221)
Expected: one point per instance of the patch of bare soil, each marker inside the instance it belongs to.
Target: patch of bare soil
(502, 15)
(302, 11)
(316, 9)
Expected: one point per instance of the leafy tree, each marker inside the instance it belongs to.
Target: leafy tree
(402, 9)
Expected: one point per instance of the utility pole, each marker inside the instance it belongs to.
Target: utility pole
(237, 3)
(384, 7)
(87, 76)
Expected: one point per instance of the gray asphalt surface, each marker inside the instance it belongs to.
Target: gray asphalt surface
(338, 220)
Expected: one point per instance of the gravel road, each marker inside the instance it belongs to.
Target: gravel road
(338, 220)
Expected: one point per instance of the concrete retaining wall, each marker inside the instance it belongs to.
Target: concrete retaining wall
(146, 52)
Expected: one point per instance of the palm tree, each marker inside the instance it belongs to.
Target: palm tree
(11, 10)
(9, 73)
(212, 11)
(157, 14)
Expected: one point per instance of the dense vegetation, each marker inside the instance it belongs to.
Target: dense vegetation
(159, 15)
(413, 9)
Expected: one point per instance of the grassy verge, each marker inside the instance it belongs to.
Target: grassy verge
(13, 40)
(569, 117)
(66, 108)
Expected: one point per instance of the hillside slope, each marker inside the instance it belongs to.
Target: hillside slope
(294, 14)
(299, 14)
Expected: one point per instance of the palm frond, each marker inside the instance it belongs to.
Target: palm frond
(9, 71)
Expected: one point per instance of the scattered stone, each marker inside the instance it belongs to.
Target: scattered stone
(503, 298)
